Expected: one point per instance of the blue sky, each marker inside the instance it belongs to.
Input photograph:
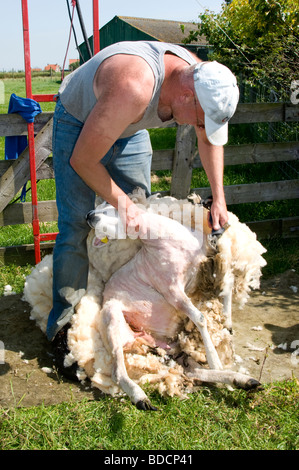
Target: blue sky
(49, 25)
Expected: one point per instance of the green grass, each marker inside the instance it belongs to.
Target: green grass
(13, 275)
(22, 234)
(212, 419)
(40, 85)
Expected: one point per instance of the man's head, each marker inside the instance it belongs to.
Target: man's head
(218, 94)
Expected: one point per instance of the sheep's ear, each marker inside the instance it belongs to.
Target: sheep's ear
(98, 242)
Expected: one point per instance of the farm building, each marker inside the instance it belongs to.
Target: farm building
(125, 28)
(54, 67)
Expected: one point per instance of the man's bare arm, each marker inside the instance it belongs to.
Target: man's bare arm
(213, 162)
(119, 104)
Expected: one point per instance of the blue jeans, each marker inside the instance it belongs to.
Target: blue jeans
(128, 163)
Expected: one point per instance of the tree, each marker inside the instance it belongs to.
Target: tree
(74, 65)
(257, 39)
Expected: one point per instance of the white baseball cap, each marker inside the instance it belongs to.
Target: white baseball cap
(218, 94)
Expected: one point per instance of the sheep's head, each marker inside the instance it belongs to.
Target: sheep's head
(240, 256)
(107, 224)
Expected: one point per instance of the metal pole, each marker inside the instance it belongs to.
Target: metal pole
(83, 28)
(30, 127)
(96, 30)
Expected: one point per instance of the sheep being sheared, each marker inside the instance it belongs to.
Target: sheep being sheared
(125, 343)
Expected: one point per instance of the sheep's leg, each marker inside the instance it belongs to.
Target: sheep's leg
(182, 303)
(221, 376)
(115, 328)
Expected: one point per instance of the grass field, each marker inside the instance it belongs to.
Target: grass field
(212, 419)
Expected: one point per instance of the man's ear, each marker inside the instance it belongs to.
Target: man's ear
(187, 97)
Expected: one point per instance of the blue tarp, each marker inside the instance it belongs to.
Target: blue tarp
(14, 145)
(26, 107)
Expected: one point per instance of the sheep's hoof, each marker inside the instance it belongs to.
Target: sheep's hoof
(252, 384)
(145, 406)
(60, 350)
(249, 384)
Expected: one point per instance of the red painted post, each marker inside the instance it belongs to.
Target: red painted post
(44, 98)
(48, 236)
(30, 126)
(96, 31)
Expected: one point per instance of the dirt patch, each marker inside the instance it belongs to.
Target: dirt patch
(270, 352)
(266, 333)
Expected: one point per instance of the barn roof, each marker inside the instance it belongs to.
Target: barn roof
(164, 30)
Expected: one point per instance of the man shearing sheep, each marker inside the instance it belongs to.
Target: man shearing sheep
(101, 145)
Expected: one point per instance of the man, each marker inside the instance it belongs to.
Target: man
(100, 144)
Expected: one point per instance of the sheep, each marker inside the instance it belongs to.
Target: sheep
(175, 363)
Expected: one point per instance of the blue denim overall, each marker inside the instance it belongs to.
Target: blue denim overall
(128, 163)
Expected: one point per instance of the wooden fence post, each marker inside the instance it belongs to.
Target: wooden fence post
(184, 155)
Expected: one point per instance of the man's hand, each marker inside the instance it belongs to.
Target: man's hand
(211, 157)
(135, 222)
(218, 214)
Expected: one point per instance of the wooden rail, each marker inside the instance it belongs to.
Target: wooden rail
(17, 174)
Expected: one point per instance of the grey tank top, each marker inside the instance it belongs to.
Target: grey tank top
(76, 91)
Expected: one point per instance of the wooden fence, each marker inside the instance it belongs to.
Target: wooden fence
(181, 160)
